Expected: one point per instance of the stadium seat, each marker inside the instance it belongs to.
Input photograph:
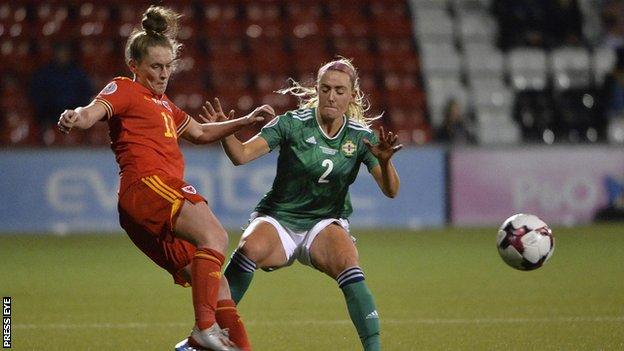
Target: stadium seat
(297, 10)
(534, 112)
(440, 60)
(462, 7)
(410, 125)
(224, 48)
(570, 68)
(578, 114)
(428, 5)
(358, 49)
(434, 26)
(277, 62)
(19, 128)
(527, 68)
(499, 99)
(484, 64)
(350, 28)
(495, 129)
(405, 62)
(603, 61)
(392, 27)
(306, 28)
(476, 28)
(441, 90)
(615, 131)
(389, 8)
(234, 64)
(18, 55)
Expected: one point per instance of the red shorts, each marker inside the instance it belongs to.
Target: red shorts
(148, 210)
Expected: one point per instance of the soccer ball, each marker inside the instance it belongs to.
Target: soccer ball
(525, 242)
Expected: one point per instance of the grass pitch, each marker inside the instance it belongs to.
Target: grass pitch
(443, 289)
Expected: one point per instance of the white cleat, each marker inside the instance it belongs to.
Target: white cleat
(185, 346)
(213, 339)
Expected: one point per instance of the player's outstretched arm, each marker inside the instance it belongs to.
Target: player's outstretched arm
(385, 174)
(217, 125)
(81, 117)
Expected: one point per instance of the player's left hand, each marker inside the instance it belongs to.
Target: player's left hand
(214, 114)
(386, 146)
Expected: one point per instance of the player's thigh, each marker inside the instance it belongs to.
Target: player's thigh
(197, 224)
(261, 243)
(333, 250)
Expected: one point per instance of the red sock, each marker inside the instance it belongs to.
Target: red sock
(205, 275)
(228, 318)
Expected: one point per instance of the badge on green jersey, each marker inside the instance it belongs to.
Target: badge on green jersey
(348, 148)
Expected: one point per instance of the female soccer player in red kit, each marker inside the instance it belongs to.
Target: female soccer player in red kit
(162, 214)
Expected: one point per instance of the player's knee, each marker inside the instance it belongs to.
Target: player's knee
(253, 250)
(263, 254)
(216, 239)
(342, 263)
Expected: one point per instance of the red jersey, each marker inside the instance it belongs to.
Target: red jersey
(144, 129)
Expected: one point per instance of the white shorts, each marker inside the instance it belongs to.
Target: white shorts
(296, 244)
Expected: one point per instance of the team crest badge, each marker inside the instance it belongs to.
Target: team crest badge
(109, 89)
(348, 148)
(189, 189)
(166, 104)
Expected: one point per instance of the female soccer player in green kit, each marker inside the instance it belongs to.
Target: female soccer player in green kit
(304, 215)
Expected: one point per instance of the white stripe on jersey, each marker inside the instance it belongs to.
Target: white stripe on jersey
(302, 115)
(272, 123)
(358, 126)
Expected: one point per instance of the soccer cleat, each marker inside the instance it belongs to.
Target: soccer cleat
(185, 346)
(212, 339)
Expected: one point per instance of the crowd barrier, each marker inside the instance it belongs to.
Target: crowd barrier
(75, 190)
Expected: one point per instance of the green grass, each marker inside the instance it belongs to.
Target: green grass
(443, 289)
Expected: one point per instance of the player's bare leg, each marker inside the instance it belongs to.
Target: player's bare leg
(261, 248)
(197, 224)
(334, 253)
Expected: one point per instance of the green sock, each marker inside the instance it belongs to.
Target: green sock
(239, 279)
(363, 313)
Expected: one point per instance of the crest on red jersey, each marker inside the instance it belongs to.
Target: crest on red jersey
(189, 189)
(109, 89)
(166, 104)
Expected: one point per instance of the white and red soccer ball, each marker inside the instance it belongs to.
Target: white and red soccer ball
(525, 242)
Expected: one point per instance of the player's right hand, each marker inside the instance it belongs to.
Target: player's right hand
(259, 114)
(67, 120)
(214, 114)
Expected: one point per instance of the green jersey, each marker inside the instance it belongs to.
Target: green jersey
(314, 171)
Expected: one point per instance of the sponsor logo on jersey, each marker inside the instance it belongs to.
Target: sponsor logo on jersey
(311, 140)
(109, 89)
(327, 150)
(162, 103)
(348, 148)
(189, 189)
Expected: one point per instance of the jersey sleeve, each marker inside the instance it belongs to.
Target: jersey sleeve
(276, 131)
(368, 158)
(115, 97)
(181, 119)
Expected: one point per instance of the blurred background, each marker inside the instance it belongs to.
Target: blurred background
(504, 105)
